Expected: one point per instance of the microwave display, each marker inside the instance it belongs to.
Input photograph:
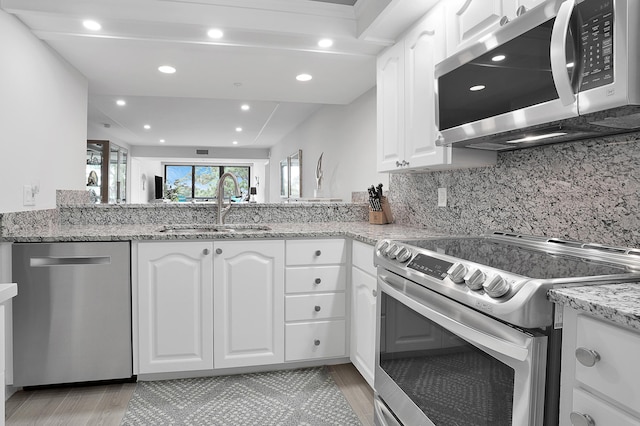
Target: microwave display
(596, 36)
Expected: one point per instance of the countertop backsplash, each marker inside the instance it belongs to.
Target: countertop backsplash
(586, 191)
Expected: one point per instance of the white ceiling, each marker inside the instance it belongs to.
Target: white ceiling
(266, 44)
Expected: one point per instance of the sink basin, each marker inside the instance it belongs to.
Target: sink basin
(204, 229)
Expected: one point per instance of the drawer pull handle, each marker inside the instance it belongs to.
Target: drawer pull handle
(318, 281)
(219, 251)
(317, 308)
(205, 252)
(316, 342)
(318, 253)
(587, 357)
(579, 419)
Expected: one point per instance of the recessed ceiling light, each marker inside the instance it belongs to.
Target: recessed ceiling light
(304, 77)
(147, 127)
(498, 58)
(325, 42)
(238, 129)
(215, 33)
(121, 102)
(166, 69)
(162, 141)
(477, 88)
(235, 142)
(245, 107)
(92, 25)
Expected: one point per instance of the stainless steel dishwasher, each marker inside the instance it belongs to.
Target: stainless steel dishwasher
(72, 315)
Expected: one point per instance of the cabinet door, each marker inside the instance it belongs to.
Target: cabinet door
(424, 48)
(175, 306)
(390, 100)
(468, 20)
(249, 303)
(363, 323)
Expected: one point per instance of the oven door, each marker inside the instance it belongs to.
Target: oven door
(441, 363)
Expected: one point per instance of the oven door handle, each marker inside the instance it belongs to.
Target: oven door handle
(436, 312)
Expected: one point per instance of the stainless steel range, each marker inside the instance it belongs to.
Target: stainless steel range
(466, 334)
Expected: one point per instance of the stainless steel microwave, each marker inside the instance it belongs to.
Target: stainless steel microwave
(562, 71)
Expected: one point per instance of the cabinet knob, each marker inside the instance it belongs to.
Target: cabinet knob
(504, 21)
(587, 357)
(219, 251)
(206, 252)
(398, 164)
(579, 419)
(317, 281)
(316, 342)
(317, 308)
(318, 253)
(374, 292)
(521, 10)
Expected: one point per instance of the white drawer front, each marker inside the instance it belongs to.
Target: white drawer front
(309, 340)
(617, 373)
(314, 307)
(362, 257)
(601, 412)
(316, 252)
(305, 279)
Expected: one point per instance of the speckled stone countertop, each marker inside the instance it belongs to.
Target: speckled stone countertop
(361, 231)
(618, 303)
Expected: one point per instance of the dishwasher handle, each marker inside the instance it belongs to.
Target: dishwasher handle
(47, 261)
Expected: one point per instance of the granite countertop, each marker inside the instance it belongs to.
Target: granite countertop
(618, 303)
(361, 231)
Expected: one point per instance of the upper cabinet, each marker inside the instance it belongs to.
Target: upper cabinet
(469, 20)
(407, 130)
(106, 176)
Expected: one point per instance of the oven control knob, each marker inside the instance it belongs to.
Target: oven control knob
(474, 279)
(382, 247)
(392, 251)
(496, 286)
(457, 273)
(403, 255)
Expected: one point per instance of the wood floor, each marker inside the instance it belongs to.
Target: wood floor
(105, 405)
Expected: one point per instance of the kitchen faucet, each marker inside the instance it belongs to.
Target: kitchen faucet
(220, 192)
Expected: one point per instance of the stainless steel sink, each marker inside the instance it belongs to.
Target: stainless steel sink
(205, 229)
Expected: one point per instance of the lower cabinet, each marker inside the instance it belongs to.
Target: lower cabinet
(364, 287)
(175, 306)
(248, 303)
(600, 374)
(315, 300)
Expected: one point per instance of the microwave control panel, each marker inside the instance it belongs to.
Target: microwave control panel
(596, 39)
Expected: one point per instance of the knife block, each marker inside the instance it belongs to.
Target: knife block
(383, 217)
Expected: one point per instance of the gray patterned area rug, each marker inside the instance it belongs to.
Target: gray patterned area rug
(305, 397)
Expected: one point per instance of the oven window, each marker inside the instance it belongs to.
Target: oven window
(450, 380)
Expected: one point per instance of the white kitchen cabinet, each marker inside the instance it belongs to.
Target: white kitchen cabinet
(469, 20)
(315, 301)
(248, 303)
(600, 371)
(174, 306)
(363, 310)
(406, 103)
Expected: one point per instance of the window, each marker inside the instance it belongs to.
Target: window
(200, 181)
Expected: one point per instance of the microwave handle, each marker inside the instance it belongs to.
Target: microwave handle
(559, 53)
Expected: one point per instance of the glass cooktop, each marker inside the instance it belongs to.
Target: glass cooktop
(516, 259)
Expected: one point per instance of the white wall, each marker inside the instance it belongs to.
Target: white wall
(43, 119)
(347, 136)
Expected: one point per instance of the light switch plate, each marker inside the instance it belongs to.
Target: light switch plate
(28, 197)
(442, 197)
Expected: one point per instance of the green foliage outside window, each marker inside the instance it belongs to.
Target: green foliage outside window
(201, 182)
